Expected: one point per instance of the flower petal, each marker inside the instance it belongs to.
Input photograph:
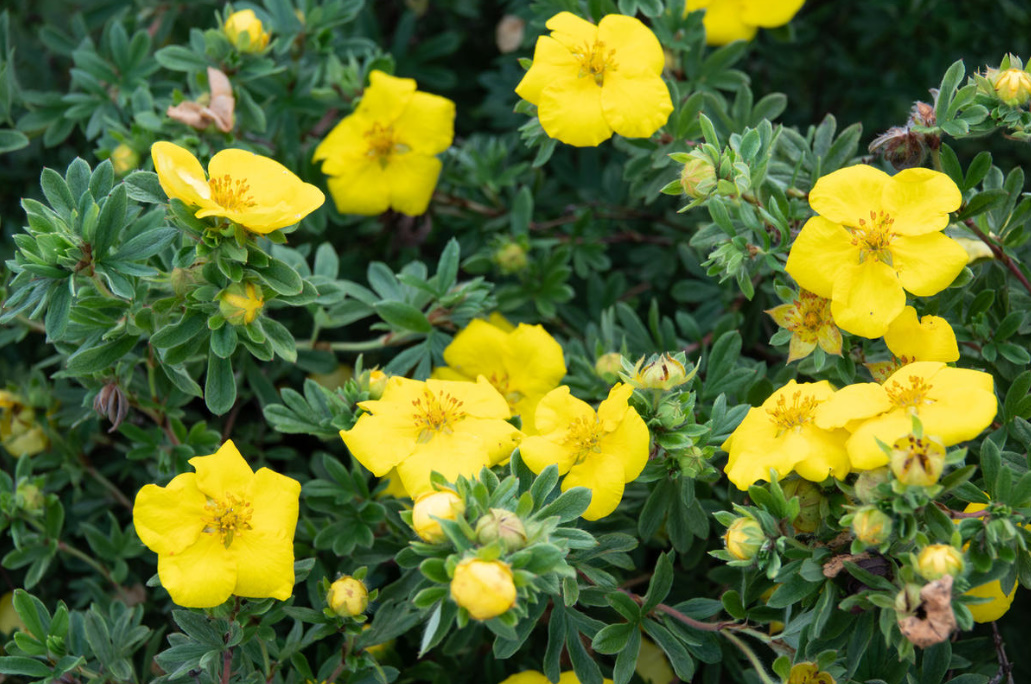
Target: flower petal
(637, 50)
(427, 124)
(450, 455)
(376, 445)
(799, 348)
(274, 500)
(386, 97)
(854, 402)
(929, 339)
(344, 144)
(265, 564)
(769, 14)
(863, 449)
(850, 194)
(723, 23)
(867, 298)
(615, 407)
(533, 359)
(603, 474)
(927, 264)
(629, 443)
(168, 519)
(361, 187)
(558, 410)
(635, 105)
(223, 471)
(478, 400)
(571, 112)
(552, 63)
(180, 174)
(412, 178)
(572, 31)
(822, 454)
(479, 349)
(201, 576)
(919, 201)
(820, 252)
(539, 452)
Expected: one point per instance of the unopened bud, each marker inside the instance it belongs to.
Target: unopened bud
(240, 304)
(501, 525)
(124, 159)
(938, 560)
(374, 382)
(1013, 86)
(662, 372)
(744, 538)
(698, 178)
(445, 505)
(908, 600)
(918, 461)
(484, 588)
(29, 498)
(348, 597)
(245, 31)
(808, 673)
(810, 499)
(871, 525)
(868, 483)
(608, 366)
(511, 258)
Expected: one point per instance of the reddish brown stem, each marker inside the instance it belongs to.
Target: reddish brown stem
(999, 254)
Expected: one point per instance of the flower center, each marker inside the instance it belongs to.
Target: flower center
(436, 414)
(594, 60)
(229, 194)
(909, 397)
(228, 516)
(874, 237)
(382, 143)
(582, 438)
(799, 413)
(812, 314)
(499, 381)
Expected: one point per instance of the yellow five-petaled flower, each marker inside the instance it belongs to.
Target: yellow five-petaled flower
(224, 530)
(729, 20)
(588, 81)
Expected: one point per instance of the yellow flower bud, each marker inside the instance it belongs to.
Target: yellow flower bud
(662, 372)
(244, 30)
(348, 597)
(374, 382)
(511, 258)
(608, 366)
(20, 434)
(501, 525)
(918, 461)
(241, 304)
(484, 588)
(445, 505)
(808, 673)
(1013, 86)
(810, 498)
(124, 159)
(698, 178)
(938, 560)
(744, 538)
(871, 525)
(29, 498)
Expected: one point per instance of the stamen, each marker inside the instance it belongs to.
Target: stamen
(582, 438)
(799, 413)
(436, 414)
(909, 397)
(594, 61)
(229, 194)
(228, 517)
(874, 238)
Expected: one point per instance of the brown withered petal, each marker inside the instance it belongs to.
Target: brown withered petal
(219, 110)
(112, 402)
(934, 621)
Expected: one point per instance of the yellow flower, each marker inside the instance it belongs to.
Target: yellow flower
(662, 372)
(729, 20)
(445, 505)
(998, 602)
(876, 238)
(348, 597)
(20, 433)
(534, 677)
(953, 404)
(1013, 86)
(221, 531)
(937, 560)
(383, 156)
(245, 31)
(124, 159)
(523, 365)
(652, 664)
(601, 451)
(454, 428)
(241, 304)
(256, 192)
(929, 339)
(810, 321)
(9, 618)
(484, 588)
(590, 81)
(808, 673)
(782, 434)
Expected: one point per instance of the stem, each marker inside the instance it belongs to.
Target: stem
(1005, 666)
(936, 159)
(227, 665)
(999, 254)
(751, 657)
(344, 652)
(31, 324)
(110, 487)
(390, 339)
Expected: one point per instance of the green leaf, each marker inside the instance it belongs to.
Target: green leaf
(281, 278)
(18, 665)
(111, 222)
(683, 665)
(279, 337)
(568, 506)
(102, 357)
(186, 329)
(220, 385)
(179, 58)
(627, 659)
(11, 140)
(403, 316)
(144, 186)
(612, 638)
(57, 192)
(660, 584)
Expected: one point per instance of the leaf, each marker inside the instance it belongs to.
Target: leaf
(403, 316)
(279, 337)
(281, 278)
(220, 385)
(144, 186)
(111, 221)
(18, 665)
(98, 358)
(11, 140)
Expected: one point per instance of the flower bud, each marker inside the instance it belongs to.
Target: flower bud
(244, 30)
(938, 560)
(124, 159)
(501, 525)
(698, 178)
(744, 538)
(20, 434)
(871, 525)
(240, 304)
(484, 588)
(810, 498)
(348, 597)
(444, 504)
(662, 372)
(976, 249)
(29, 498)
(908, 600)
(1013, 86)
(868, 482)
(808, 673)
(917, 461)
(511, 258)
(374, 382)
(608, 366)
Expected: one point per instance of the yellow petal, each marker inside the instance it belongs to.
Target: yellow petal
(168, 519)
(849, 194)
(799, 348)
(854, 402)
(829, 339)
(539, 452)
(203, 575)
(927, 264)
(533, 360)
(629, 443)
(822, 454)
(863, 449)
(997, 605)
(782, 315)
(412, 178)
(386, 97)
(477, 350)
(450, 455)
(223, 471)
(344, 144)
(274, 500)
(180, 174)
(723, 23)
(571, 112)
(572, 31)
(427, 124)
(557, 410)
(363, 188)
(637, 49)
(479, 399)
(375, 442)
(614, 408)
(919, 201)
(499, 321)
(552, 63)
(769, 13)
(635, 106)
(820, 252)
(265, 564)
(929, 339)
(602, 473)
(867, 298)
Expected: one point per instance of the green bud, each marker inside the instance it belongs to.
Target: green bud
(501, 525)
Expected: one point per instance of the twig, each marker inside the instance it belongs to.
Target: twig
(227, 664)
(1005, 666)
(999, 254)
(344, 652)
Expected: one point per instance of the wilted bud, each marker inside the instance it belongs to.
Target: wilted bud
(938, 560)
(744, 538)
(501, 525)
(608, 366)
(124, 159)
(808, 673)
(29, 498)
(917, 461)
(445, 505)
(908, 600)
(868, 482)
(348, 597)
(374, 382)
(871, 525)
(698, 178)
(510, 258)
(244, 30)
(509, 33)
(484, 588)
(20, 434)
(112, 402)
(1013, 86)
(662, 372)
(241, 304)
(810, 498)
(933, 621)
(902, 147)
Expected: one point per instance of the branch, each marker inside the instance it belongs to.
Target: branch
(999, 254)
